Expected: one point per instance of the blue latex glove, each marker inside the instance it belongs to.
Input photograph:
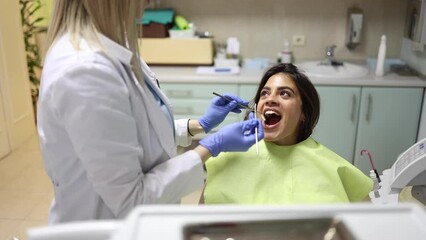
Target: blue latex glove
(219, 109)
(235, 137)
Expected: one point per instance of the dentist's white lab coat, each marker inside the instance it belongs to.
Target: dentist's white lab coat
(106, 144)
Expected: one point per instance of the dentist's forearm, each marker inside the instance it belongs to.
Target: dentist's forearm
(203, 152)
(194, 127)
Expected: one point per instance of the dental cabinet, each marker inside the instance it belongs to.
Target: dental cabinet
(382, 120)
(192, 100)
(381, 115)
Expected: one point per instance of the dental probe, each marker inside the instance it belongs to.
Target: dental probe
(239, 104)
(230, 100)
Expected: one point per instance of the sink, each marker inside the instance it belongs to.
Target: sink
(316, 69)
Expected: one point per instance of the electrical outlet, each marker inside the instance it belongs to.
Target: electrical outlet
(298, 40)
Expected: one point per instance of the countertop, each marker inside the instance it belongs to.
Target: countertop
(169, 74)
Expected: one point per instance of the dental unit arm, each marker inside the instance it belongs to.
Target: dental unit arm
(408, 170)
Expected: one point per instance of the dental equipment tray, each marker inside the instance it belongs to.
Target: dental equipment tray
(321, 228)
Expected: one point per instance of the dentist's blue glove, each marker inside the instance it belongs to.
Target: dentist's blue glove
(251, 115)
(235, 137)
(219, 109)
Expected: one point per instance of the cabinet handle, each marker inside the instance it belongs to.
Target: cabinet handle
(353, 108)
(370, 101)
(179, 93)
(182, 110)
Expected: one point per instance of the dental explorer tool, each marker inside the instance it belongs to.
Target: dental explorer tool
(240, 105)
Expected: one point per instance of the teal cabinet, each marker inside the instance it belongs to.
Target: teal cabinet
(191, 100)
(247, 92)
(388, 124)
(382, 120)
(337, 125)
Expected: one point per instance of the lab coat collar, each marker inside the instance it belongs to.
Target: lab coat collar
(121, 53)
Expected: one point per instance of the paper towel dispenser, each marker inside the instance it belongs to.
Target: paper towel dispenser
(354, 27)
(415, 24)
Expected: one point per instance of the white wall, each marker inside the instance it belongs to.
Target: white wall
(262, 26)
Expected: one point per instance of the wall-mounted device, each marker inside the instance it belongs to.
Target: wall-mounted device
(354, 28)
(415, 24)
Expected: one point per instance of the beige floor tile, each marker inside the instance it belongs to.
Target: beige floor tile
(18, 204)
(20, 231)
(7, 228)
(12, 166)
(31, 179)
(41, 211)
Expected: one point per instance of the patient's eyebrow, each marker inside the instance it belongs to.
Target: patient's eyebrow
(280, 88)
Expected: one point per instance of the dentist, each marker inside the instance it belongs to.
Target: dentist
(107, 134)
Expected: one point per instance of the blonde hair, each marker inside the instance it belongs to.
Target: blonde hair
(84, 19)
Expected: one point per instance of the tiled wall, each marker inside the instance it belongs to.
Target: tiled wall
(262, 25)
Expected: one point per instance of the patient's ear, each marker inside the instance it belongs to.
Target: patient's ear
(302, 118)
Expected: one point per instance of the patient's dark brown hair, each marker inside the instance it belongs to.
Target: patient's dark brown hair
(308, 94)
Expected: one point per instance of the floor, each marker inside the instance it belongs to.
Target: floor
(26, 192)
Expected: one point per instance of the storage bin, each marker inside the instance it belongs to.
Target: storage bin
(155, 23)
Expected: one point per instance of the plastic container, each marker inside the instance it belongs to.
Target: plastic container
(286, 54)
(380, 67)
(176, 33)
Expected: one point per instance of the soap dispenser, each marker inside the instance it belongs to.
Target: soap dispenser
(286, 54)
(354, 27)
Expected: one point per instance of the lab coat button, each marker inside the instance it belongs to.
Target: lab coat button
(56, 184)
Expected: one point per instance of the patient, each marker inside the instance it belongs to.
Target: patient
(291, 167)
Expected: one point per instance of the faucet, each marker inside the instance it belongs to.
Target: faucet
(329, 53)
(329, 56)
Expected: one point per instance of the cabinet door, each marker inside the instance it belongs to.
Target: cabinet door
(15, 86)
(192, 100)
(388, 123)
(4, 139)
(338, 120)
(247, 92)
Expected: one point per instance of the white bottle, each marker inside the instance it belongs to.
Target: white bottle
(380, 67)
(286, 53)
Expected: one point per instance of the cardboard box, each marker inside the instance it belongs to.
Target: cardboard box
(177, 51)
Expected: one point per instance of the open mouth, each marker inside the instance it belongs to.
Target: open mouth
(271, 117)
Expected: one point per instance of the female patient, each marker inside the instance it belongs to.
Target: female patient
(291, 166)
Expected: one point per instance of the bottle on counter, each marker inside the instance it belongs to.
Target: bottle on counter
(380, 67)
(286, 54)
